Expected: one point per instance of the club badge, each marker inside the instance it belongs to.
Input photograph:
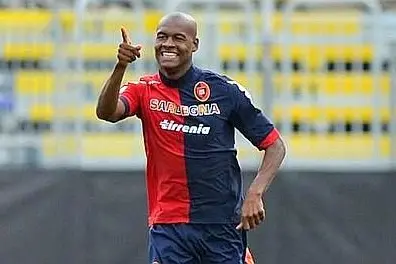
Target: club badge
(202, 91)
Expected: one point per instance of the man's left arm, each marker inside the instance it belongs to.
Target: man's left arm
(272, 159)
(253, 211)
(260, 131)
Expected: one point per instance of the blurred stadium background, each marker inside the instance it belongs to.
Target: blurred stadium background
(324, 71)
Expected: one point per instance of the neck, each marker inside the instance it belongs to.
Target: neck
(173, 74)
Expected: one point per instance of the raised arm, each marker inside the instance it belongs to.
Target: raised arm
(109, 106)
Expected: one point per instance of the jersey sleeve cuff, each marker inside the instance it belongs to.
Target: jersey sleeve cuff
(125, 101)
(269, 139)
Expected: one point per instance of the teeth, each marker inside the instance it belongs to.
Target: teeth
(169, 54)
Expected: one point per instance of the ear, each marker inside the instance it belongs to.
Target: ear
(196, 44)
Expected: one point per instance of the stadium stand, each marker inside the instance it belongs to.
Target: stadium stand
(330, 84)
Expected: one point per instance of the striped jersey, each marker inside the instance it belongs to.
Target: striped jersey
(192, 174)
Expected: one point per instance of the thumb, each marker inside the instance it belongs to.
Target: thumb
(239, 227)
(125, 36)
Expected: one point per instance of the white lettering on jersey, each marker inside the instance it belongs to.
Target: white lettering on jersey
(184, 110)
(172, 126)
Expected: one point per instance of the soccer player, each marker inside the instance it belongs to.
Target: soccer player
(197, 210)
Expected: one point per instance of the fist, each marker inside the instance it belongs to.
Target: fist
(127, 52)
(253, 212)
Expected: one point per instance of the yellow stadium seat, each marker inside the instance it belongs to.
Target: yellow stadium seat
(97, 51)
(301, 23)
(59, 144)
(311, 114)
(46, 51)
(337, 83)
(41, 113)
(69, 111)
(114, 145)
(311, 56)
(344, 147)
(319, 23)
(28, 51)
(353, 84)
(42, 82)
(67, 19)
(34, 82)
(109, 23)
(31, 82)
(302, 146)
(22, 20)
(151, 20)
(308, 114)
(49, 111)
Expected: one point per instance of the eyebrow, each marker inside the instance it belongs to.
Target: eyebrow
(180, 34)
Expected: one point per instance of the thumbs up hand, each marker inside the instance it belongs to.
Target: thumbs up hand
(127, 52)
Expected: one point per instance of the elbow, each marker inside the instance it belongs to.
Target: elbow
(100, 114)
(282, 147)
(104, 116)
(278, 147)
(273, 142)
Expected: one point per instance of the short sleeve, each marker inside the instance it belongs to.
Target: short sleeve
(250, 120)
(130, 95)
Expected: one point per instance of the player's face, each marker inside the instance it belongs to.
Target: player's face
(174, 45)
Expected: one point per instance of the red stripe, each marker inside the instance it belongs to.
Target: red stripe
(168, 193)
(269, 139)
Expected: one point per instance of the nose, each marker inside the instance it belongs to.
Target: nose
(168, 42)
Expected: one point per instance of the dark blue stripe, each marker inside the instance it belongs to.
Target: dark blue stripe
(213, 174)
(126, 104)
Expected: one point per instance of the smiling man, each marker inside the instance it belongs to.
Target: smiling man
(197, 210)
(176, 40)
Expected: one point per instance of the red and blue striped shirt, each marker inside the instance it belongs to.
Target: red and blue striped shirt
(193, 175)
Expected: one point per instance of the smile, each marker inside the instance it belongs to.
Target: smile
(170, 55)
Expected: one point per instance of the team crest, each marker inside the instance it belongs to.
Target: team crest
(202, 91)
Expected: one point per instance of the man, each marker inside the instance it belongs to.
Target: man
(197, 213)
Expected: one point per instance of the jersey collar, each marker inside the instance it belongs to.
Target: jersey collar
(188, 77)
